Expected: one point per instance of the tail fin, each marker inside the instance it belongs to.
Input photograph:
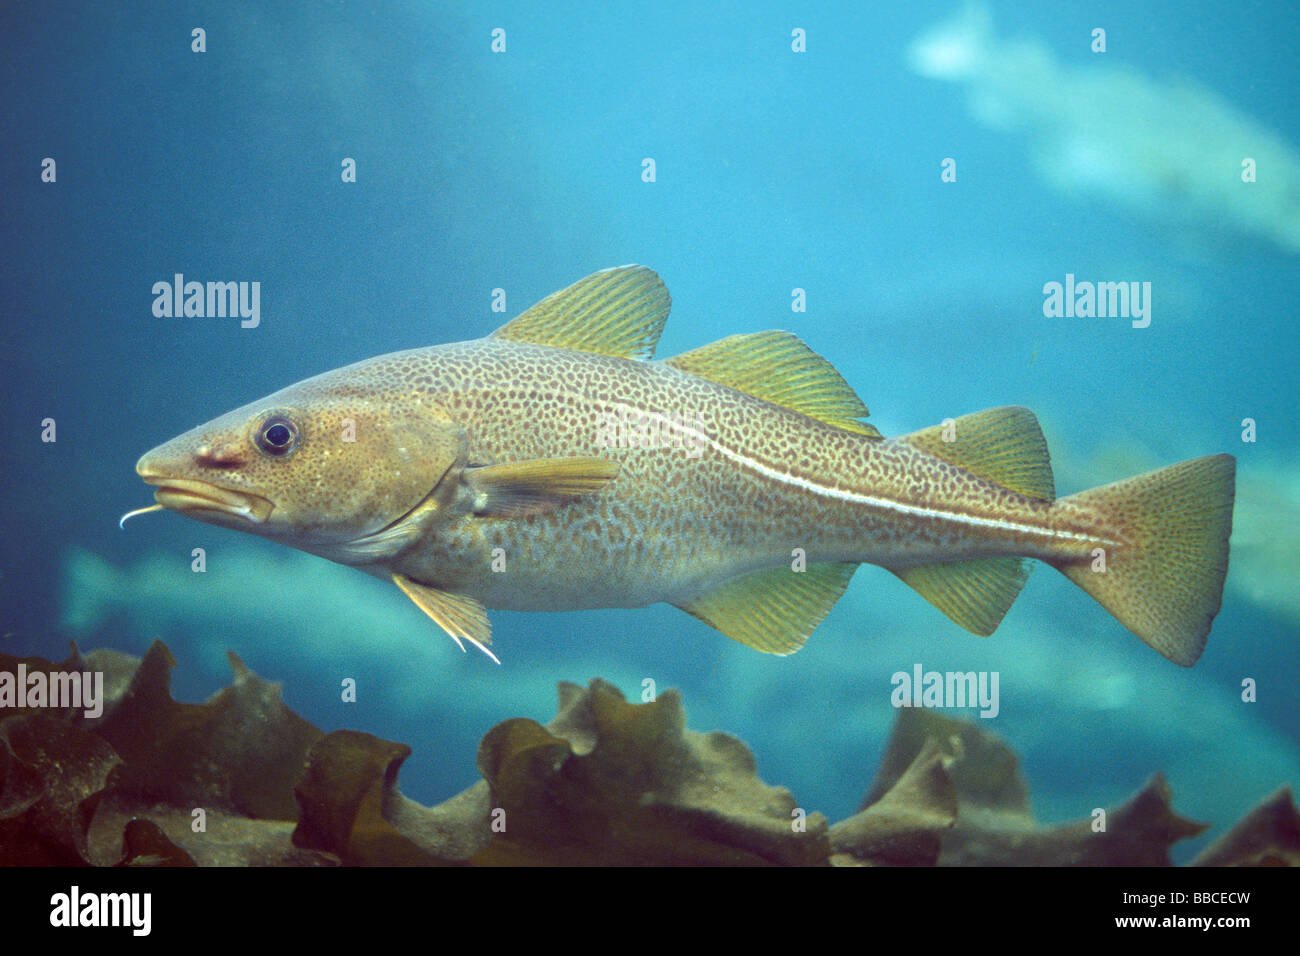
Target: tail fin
(1167, 585)
(90, 587)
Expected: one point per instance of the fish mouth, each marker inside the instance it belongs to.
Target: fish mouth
(191, 497)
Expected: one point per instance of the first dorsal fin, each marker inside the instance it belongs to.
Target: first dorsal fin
(1004, 445)
(778, 368)
(618, 312)
(774, 610)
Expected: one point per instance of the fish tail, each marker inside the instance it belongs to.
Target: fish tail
(1165, 581)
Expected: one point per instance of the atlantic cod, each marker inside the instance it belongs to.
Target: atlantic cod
(552, 466)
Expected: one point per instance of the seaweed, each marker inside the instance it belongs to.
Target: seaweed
(1268, 835)
(994, 825)
(242, 780)
(611, 782)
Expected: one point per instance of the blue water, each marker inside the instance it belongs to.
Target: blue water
(522, 170)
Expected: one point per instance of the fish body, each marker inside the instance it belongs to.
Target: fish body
(549, 466)
(673, 525)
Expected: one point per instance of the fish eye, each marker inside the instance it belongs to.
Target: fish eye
(277, 436)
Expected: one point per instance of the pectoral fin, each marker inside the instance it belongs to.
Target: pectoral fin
(458, 615)
(535, 487)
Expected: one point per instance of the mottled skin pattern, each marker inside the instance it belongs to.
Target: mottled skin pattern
(672, 526)
(668, 528)
(478, 474)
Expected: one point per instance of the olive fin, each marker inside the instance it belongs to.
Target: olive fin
(537, 486)
(458, 615)
(1004, 445)
(773, 610)
(618, 311)
(974, 594)
(1166, 584)
(778, 368)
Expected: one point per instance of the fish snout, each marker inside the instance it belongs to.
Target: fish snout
(196, 497)
(213, 455)
(219, 456)
(146, 467)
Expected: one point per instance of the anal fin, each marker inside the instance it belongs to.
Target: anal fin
(458, 615)
(774, 610)
(973, 594)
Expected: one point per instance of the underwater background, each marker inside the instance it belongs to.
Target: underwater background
(775, 170)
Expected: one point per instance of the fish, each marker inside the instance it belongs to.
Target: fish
(1172, 151)
(555, 465)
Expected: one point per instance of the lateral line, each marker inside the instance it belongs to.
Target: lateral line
(874, 501)
(888, 504)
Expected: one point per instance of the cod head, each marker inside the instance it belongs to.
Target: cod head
(335, 465)
(361, 464)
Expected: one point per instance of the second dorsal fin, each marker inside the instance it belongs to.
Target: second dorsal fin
(778, 368)
(618, 311)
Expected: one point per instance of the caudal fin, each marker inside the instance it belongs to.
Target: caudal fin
(1165, 584)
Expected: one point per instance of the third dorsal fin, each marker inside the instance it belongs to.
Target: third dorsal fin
(618, 311)
(778, 368)
(1004, 445)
